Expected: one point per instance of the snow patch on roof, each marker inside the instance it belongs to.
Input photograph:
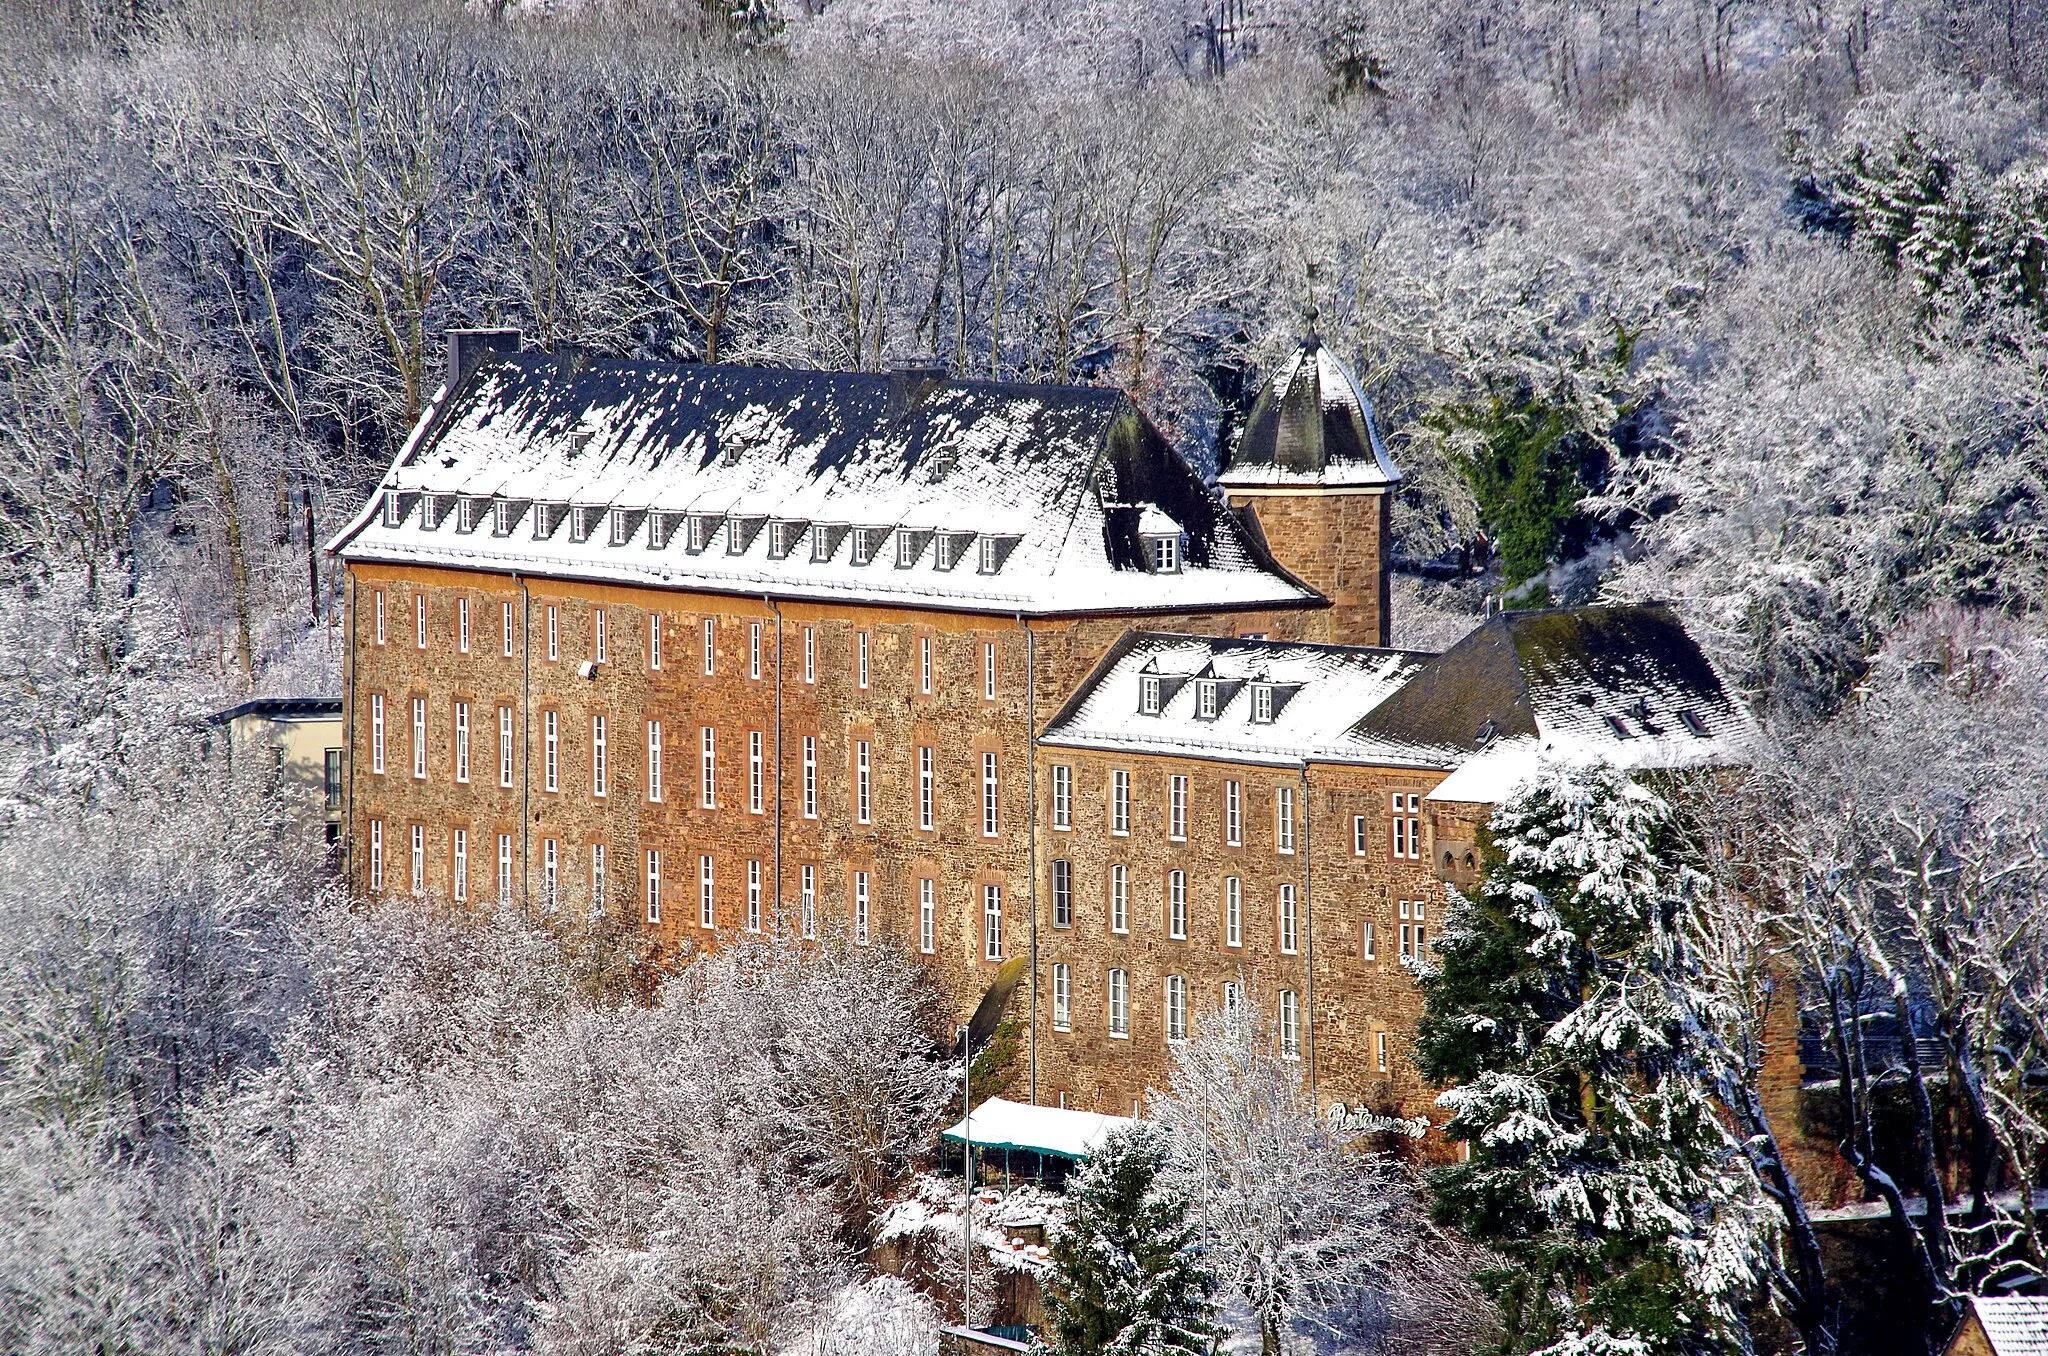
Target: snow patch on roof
(1002, 1124)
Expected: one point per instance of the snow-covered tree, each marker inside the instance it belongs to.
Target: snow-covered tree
(1299, 1228)
(1568, 1013)
(1125, 1278)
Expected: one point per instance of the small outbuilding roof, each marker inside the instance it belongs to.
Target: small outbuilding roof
(2003, 1325)
(281, 708)
(1002, 1124)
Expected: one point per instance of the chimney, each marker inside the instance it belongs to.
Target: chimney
(909, 379)
(466, 348)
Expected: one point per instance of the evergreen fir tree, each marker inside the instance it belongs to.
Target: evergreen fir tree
(1566, 1010)
(1125, 1282)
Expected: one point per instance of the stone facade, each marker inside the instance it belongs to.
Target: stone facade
(1335, 541)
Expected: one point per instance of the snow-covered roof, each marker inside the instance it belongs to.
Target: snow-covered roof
(1312, 424)
(1313, 695)
(1621, 684)
(1002, 1124)
(829, 486)
(2014, 1325)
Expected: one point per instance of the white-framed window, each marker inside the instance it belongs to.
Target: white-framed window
(1290, 922)
(1120, 803)
(1177, 807)
(1290, 1025)
(810, 654)
(1358, 835)
(1166, 555)
(654, 642)
(1262, 703)
(597, 874)
(506, 746)
(419, 859)
(460, 853)
(710, 646)
(810, 805)
(860, 907)
(1177, 905)
(1148, 694)
(1062, 796)
(990, 557)
(927, 786)
(1403, 809)
(860, 658)
(654, 885)
(992, 922)
(1205, 699)
(990, 786)
(419, 738)
(554, 632)
(1369, 944)
(600, 637)
(906, 550)
(863, 773)
(1283, 819)
(419, 620)
(753, 649)
(508, 631)
(924, 665)
(462, 741)
(600, 763)
(807, 899)
(707, 892)
(504, 868)
(757, 777)
(377, 608)
(1176, 1008)
(1062, 893)
(1119, 898)
(707, 767)
(1233, 911)
(927, 915)
(754, 896)
(1379, 1045)
(1062, 998)
(988, 671)
(376, 732)
(376, 854)
(550, 871)
(551, 750)
(1233, 813)
(654, 761)
(1413, 928)
(1233, 996)
(1119, 1003)
(462, 625)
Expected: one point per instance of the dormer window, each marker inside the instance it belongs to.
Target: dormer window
(1164, 553)
(465, 515)
(622, 527)
(697, 534)
(1619, 726)
(581, 521)
(1262, 703)
(1148, 694)
(863, 546)
(1205, 698)
(394, 508)
(1692, 722)
(989, 560)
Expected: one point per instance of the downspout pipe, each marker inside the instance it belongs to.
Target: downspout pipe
(1308, 910)
(1031, 787)
(348, 743)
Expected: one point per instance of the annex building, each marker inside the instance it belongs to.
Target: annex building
(979, 670)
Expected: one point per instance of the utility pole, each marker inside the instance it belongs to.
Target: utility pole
(967, 1164)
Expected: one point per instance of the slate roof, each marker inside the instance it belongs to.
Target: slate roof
(787, 474)
(281, 708)
(1312, 424)
(1317, 692)
(1620, 684)
(2014, 1325)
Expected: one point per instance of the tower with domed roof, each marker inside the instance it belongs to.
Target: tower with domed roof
(1312, 477)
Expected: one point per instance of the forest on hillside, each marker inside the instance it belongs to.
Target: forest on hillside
(1741, 304)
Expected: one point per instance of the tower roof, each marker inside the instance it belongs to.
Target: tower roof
(1311, 425)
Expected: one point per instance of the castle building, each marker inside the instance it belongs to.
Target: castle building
(979, 670)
